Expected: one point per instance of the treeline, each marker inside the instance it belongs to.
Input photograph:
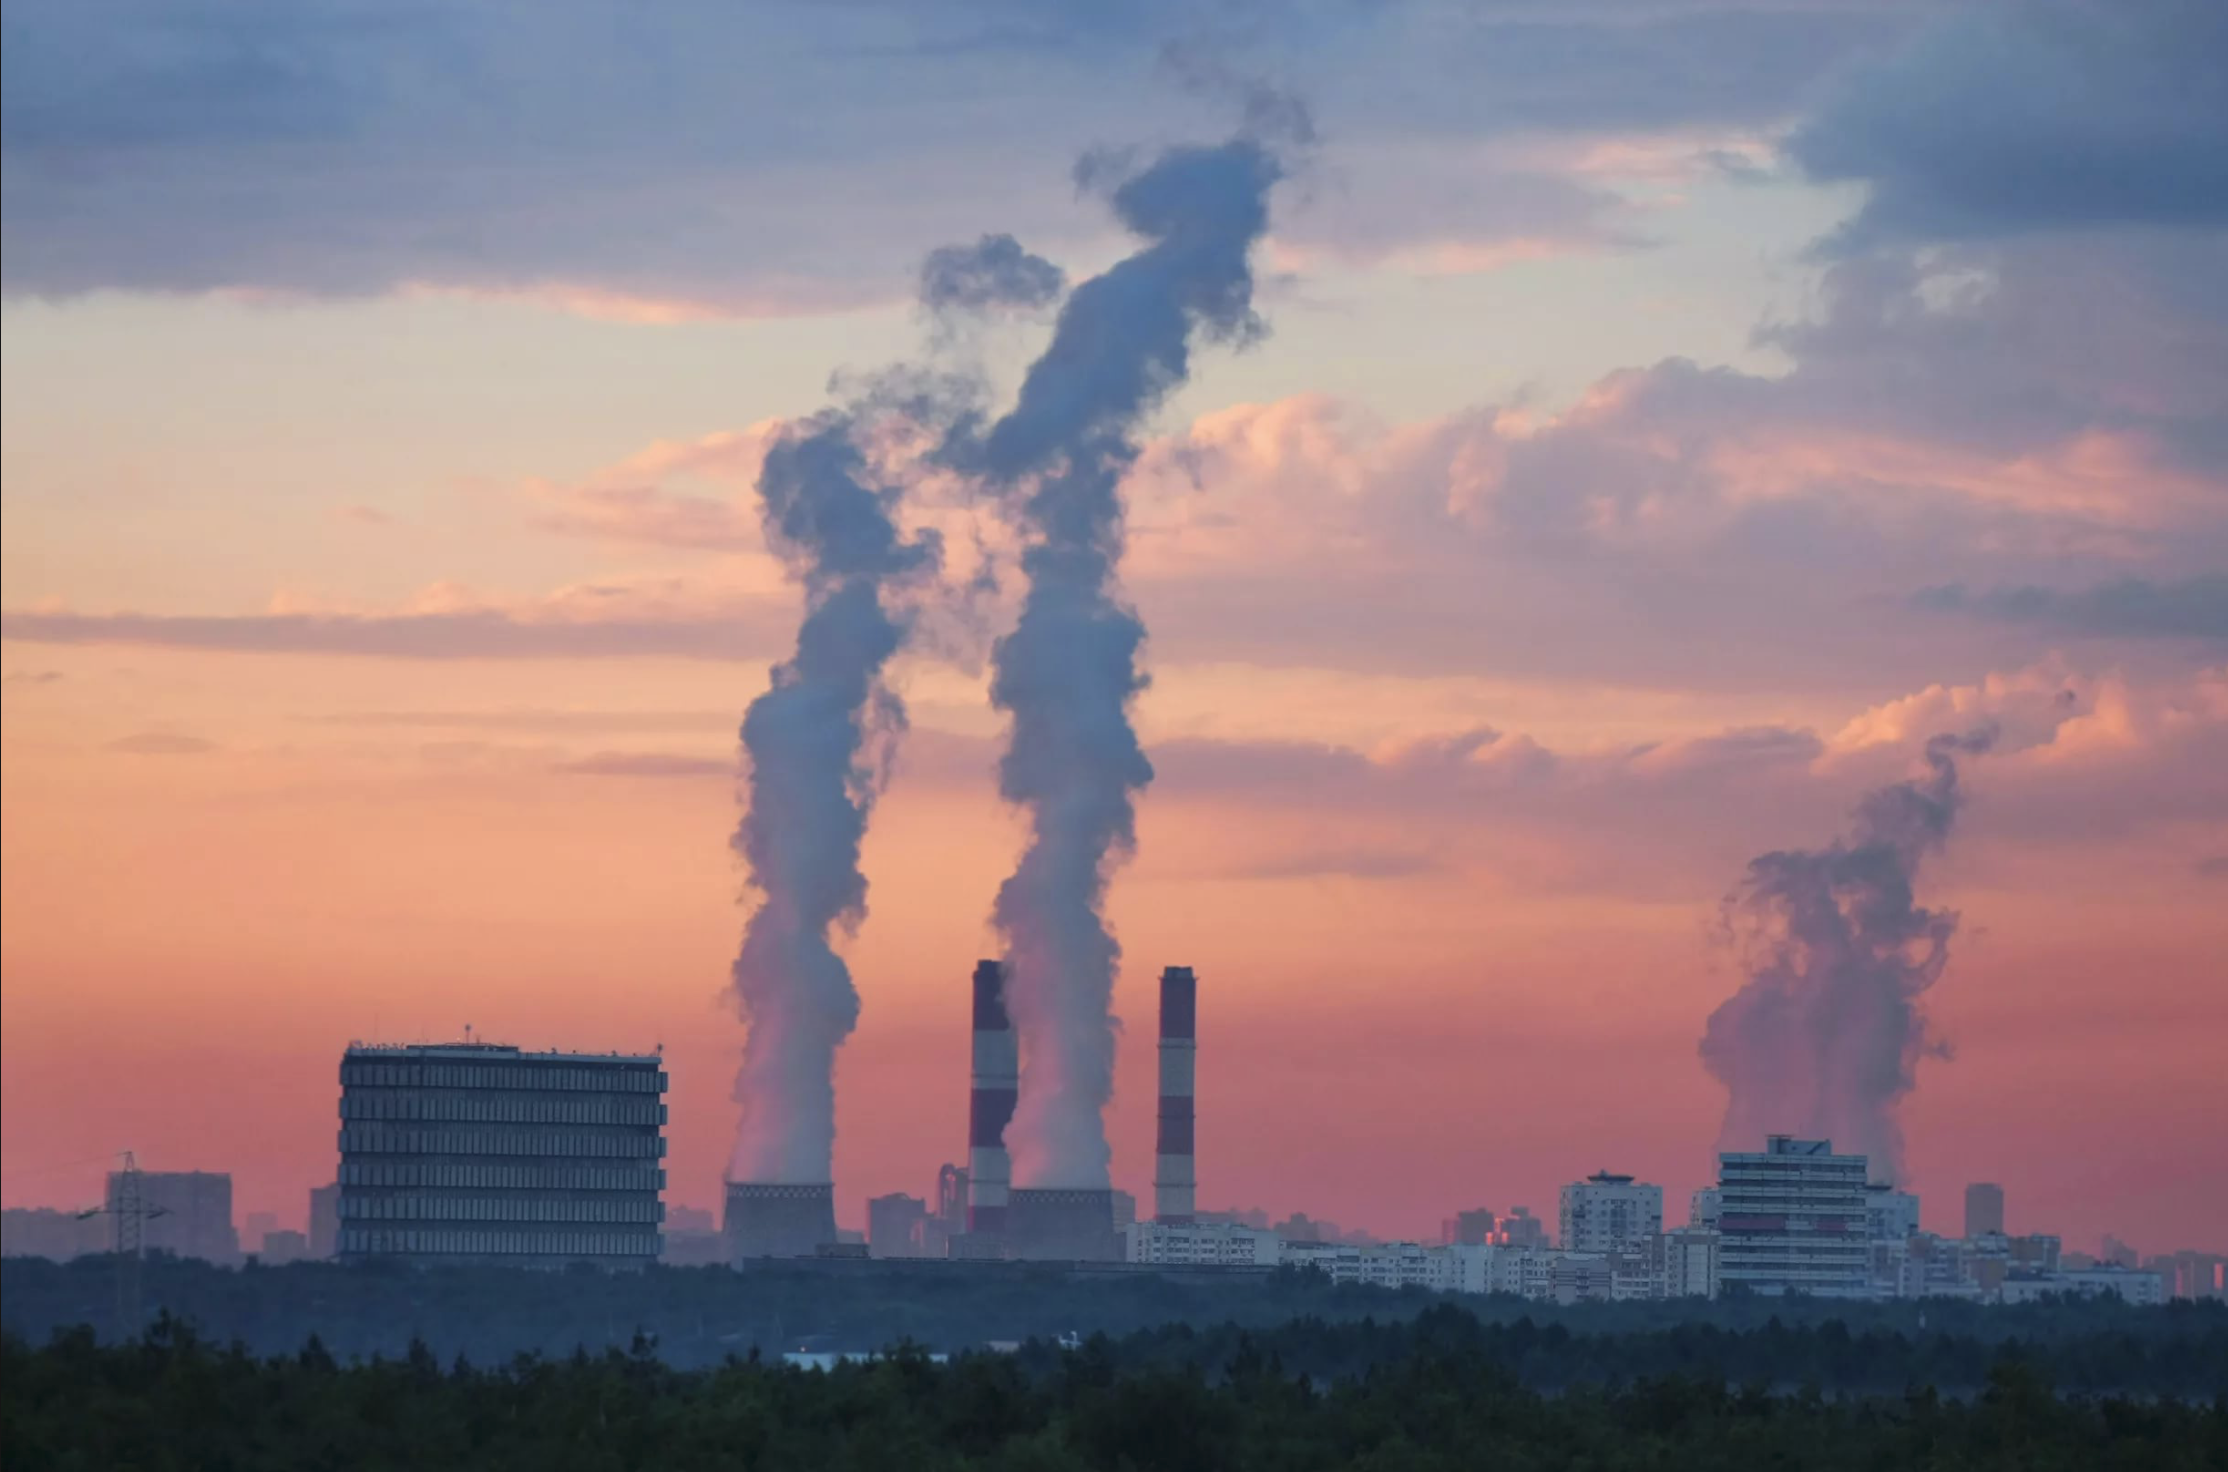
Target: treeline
(1438, 1399)
(700, 1316)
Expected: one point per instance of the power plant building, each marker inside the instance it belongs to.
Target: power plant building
(779, 1219)
(1792, 1219)
(455, 1152)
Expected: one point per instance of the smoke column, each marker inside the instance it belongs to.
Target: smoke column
(810, 787)
(1068, 671)
(1824, 1038)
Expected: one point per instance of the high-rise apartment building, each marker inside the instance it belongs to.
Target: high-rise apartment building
(188, 1212)
(461, 1151)
(1608, 1213)
(1890, 1215)
(1984, 1209)
(1791, 1218)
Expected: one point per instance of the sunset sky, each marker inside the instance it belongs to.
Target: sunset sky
(1672, 413)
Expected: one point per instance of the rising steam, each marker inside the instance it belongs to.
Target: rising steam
(1824, 1038)
(810, 743)
(1068, 671)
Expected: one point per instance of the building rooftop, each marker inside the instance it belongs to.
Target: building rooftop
(476, 1049)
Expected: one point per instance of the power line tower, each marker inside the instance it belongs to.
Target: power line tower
(130, 1210)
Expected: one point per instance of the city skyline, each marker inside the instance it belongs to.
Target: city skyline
(1548, 501)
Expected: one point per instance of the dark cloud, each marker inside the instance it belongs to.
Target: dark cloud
(2039, 114)
(32, 677)
(764, 158)
(162, 743)
(647, 764)
(475, 635)
(2195, 608)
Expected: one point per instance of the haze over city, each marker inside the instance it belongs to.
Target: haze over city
(1605, 610)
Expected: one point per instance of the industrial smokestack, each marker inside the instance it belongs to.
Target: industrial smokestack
(1824, 1038)
(990, 1103)
(1175, 1185)
(1068, 671)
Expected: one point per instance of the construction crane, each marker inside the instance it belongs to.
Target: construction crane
(131, 1211)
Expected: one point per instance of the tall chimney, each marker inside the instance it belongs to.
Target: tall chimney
(997, 1078)
(1174, 1184)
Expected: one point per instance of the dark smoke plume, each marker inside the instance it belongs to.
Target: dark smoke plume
(992, 274)
(1824, 1038)
(812, 781)
(1068, 672)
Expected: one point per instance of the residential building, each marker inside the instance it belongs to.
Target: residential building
(41, 1231)
(1889, 1215)
(1608, 1213)
(1984, 1210)
(283, 1246)
(1687, 1263)
(1382, 1264)
(1200, 1244)
(480, 1152)
(1521, 1229)
(1468, 1228)
(2133, 1284)
(1792, 1219)
(324, 1221)
(189, 1212)
(1702, 1208)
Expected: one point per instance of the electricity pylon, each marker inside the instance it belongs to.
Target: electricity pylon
(131, 1212)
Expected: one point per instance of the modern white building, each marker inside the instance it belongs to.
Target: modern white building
(1388, 1264)
(1608, 1213)
(1791, 1219)
(2133, 1284)
(1889, 1215)
(1702, 1208)
(1200, 1244)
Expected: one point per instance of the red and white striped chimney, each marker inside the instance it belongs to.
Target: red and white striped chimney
(1175, 1187)
(997, 1079)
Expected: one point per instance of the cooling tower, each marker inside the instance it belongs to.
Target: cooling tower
(1174, 1184)
(777, 1220)
(1062, 1225)
(997, 1078)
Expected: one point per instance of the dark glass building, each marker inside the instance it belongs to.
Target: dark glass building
(453, 1152)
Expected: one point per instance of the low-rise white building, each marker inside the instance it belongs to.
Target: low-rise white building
(2133, 1284)
(1201, 1244)
(1687, 1263)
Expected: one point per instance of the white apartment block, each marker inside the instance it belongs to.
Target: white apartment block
(1608, 1213)
(1791, 1219)
(1687, 1261)
(1201, 1244)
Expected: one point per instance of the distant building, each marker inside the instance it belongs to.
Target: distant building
(324, 1221)
(1382, 1265)
(41, 1231)
(1889, 1215)
(455, 1152)
(1468, 1228)
(2117, 1253)
(1687, 1263)
(1608, 1213)
(259, 1224)
(283, 1246)
(1792, 1219)
(2192, 1274)
(2132, 1284)
(1200, 1244)
(692, 1238)
(894, 1225)
(1521, 1229)
(1702, 1208)
(1984, 1209)
(1125, 1209)
(192, 1213)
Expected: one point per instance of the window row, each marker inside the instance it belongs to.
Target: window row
(496, 1109)
(374, 1240)
(500, 1209)
(622, 1079)
(500, 1142)
(480, 1175)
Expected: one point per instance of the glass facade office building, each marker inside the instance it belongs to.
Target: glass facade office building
(455, 1152)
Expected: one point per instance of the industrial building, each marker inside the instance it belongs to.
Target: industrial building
(1791, 1218)
(994, 1085)
(475, 1151)
(778, 1219)
(1608, 1213)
